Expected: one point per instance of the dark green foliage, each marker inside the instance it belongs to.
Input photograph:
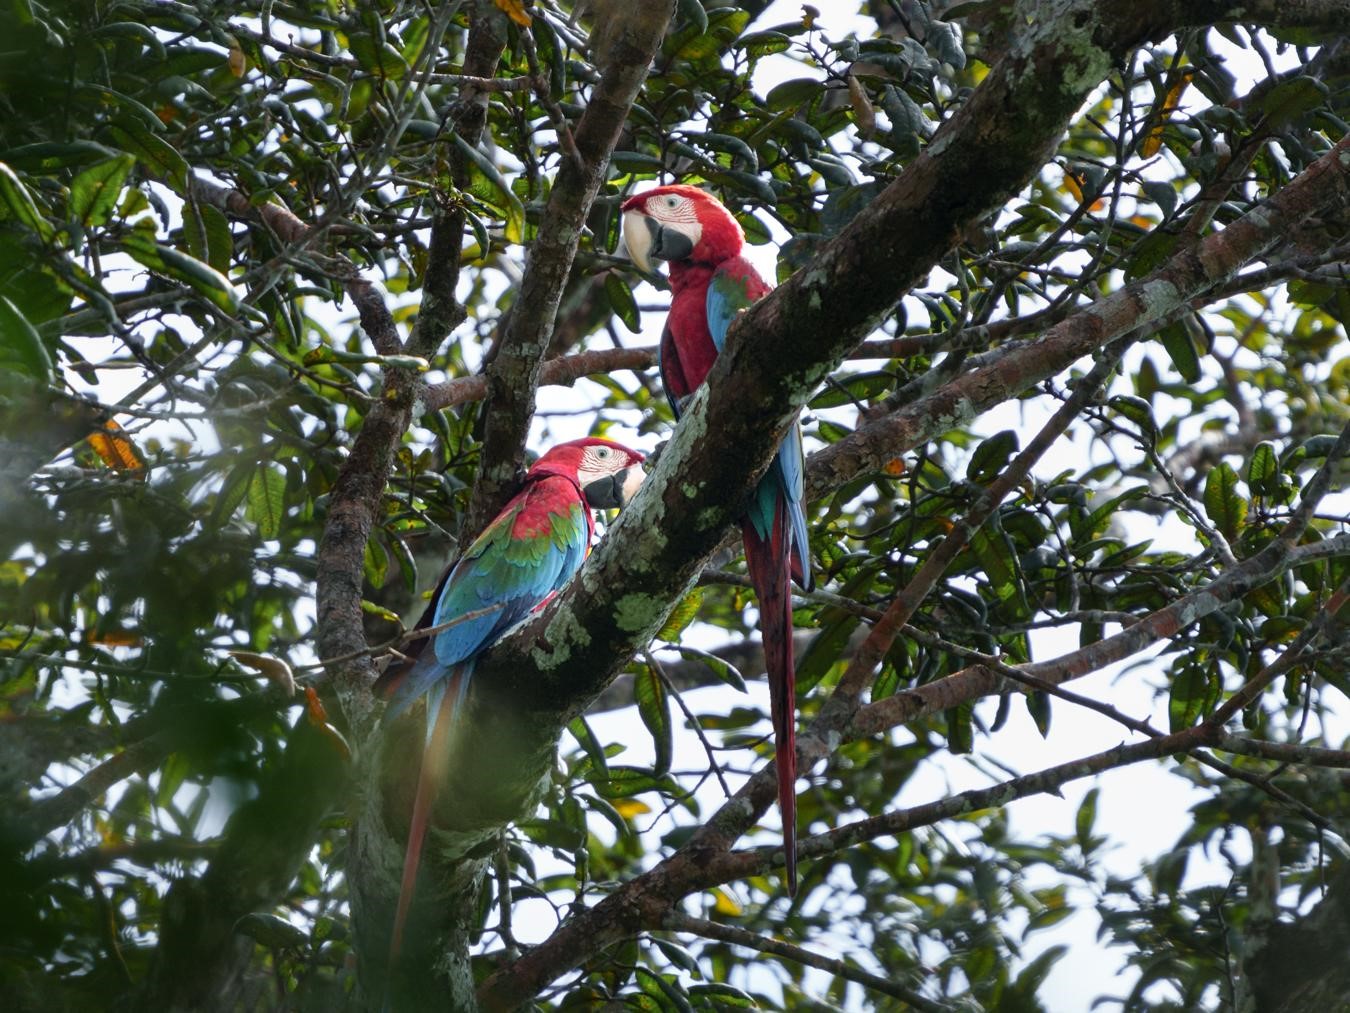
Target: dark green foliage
(138, 554)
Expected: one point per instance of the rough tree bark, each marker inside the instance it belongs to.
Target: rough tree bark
(530, 684)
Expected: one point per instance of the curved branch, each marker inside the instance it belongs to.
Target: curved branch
(1151, 300)
(677, 922)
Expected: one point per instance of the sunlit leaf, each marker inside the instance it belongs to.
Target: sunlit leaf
(267, 499)
(649, 692)
(115, 448)
(94, 191)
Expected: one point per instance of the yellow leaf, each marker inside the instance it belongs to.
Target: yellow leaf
(114, 638)
(1160, 115)
(115, 448)
(682, 616)
(1073, 182)
(515, 10)
(238, 62)
(724, 903)
(630, 807)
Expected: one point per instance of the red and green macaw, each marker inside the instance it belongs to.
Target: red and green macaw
(711, 282)
(521, 559)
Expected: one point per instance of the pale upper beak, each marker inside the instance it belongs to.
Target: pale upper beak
(649, 240)
(637, 236)
(633, 477)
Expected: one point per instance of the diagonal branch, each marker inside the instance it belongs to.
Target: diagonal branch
(777, 353)
(677, 922)
(513, 373)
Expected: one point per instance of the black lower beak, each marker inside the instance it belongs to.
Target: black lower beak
(667, 244)
(606, 493)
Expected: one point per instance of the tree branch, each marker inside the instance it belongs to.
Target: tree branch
(777, 353)
(566, 370)
(678, 922)
(513, 374)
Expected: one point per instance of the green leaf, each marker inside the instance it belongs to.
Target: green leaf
(1224, 505)
(21, 347)
(1291, 99)
(1181, 348)
(724, 670)
(207, 233)
(21, 206)
(232, 492)
(1263, 470)
(1085, 819)
(514, 210)
(171, 263)
(649, 691)
(376, 563)
(995, 554)
(945, 39)
(267, 500)
(94, 192)
(624, 782)
(623, 302)
(694, 15)
(960, 735)
(721, 996)
(991, 456)
(1162, 194)
(271, 931)
(1038, 706)
(682, 616)
(155, 155)
(582, 732)
(1138, 411)
(377, 56)
(791, 94)
(1193, 692)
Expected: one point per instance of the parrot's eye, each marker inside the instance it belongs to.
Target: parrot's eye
(602, 452)
(672, 202)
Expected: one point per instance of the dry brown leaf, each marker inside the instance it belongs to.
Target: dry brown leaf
(274, 669)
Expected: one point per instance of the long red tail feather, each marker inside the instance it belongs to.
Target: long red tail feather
(429, 778)
(770, 568)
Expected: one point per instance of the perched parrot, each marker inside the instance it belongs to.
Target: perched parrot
(519, 561)
(711, 282)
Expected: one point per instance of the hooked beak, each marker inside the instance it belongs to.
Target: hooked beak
(648, 240)
(614, 491)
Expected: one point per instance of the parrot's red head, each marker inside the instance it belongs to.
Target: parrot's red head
(608, 473)
(679, 223)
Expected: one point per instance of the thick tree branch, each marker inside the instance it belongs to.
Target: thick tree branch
(513, 373)
(777, 353)
(1324, 185)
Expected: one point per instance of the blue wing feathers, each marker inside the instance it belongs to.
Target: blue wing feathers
(727, 296)
(504, 578)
